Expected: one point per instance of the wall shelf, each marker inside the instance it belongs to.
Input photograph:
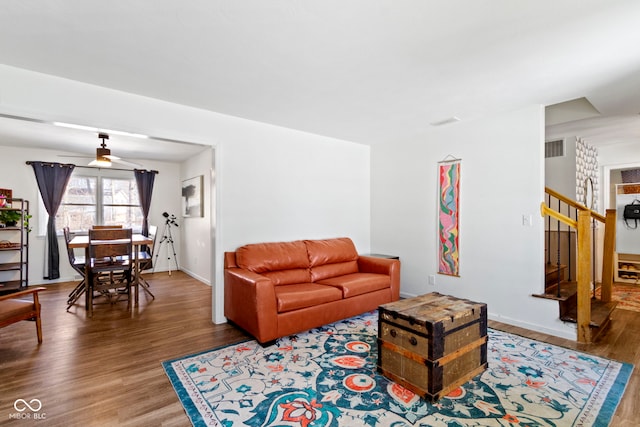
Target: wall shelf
(627, 268)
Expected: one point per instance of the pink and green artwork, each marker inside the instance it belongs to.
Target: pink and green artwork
(449, 197)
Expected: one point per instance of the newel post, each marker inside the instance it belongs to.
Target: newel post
(584, 277)
(608, 254)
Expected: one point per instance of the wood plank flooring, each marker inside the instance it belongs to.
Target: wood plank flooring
(106, 371)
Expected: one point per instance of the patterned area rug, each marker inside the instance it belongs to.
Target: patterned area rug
(627, 296)
(327, 377)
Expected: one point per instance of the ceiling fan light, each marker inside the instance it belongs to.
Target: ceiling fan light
(101, 163)
(102, 153)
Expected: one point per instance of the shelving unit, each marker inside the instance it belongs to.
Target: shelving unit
(627, 268)
(14, 249)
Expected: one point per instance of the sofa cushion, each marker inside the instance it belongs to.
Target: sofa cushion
(302, 295)
(331, 257)
(327, 271)
(358, 283)
(282, 262)
(287, 277)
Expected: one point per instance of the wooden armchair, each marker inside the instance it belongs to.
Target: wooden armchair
(14, 309)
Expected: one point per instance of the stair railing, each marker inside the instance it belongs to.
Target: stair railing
(562, 239)
(585, 262)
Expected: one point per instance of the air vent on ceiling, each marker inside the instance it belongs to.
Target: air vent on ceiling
(554, 148)
(446, 121)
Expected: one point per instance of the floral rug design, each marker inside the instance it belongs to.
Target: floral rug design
(328, 377)
(627, 296)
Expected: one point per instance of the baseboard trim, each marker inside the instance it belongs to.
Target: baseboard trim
(569, 333)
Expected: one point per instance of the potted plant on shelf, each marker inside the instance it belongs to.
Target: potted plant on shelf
(10, 217)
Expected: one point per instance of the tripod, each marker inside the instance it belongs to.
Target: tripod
(167, 238)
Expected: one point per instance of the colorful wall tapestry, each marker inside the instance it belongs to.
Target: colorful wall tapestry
(449, 197)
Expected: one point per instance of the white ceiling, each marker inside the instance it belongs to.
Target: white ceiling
(69, 142)
(368, 71)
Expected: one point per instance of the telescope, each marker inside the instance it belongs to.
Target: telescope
(167, 237)
(170, 219)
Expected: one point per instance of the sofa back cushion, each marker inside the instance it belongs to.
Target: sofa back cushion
(283, 262)
(331, 257)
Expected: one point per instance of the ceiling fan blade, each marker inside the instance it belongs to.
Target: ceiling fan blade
(125, 162)
(103, 154)
(76, 156)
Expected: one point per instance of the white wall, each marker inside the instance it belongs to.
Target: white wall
(283, 188)
(560, 172)
(621, 155)
(502, 179)
(19, 177)
(196, 249)
(272, 183)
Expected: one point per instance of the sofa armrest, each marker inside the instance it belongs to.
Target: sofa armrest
(250, 302)
(390, 267)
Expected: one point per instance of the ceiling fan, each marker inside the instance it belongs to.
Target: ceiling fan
(104, 158)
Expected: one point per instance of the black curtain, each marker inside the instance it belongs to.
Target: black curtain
(52, 181)
(145, 179)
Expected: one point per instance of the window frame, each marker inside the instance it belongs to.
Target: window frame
(99, 174)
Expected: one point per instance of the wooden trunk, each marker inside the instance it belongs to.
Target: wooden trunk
(433, 343)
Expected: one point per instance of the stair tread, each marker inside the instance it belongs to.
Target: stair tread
(600, 313)
(567, 290)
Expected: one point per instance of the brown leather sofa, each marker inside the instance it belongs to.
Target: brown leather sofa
(273, 290)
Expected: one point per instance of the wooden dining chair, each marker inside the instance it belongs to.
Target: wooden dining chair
(110, 265)
(105, 227)
(78, 264)
(145, 260)
(14, 308)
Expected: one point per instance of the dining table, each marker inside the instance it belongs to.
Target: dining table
(81, 241)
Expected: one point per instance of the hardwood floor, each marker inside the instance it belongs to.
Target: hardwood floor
(107, 370)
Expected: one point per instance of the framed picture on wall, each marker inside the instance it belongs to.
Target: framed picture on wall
(192, 197)
(5, 194)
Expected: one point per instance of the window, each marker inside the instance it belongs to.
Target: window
(99, 197)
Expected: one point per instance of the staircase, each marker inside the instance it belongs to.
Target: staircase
(571, 250)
